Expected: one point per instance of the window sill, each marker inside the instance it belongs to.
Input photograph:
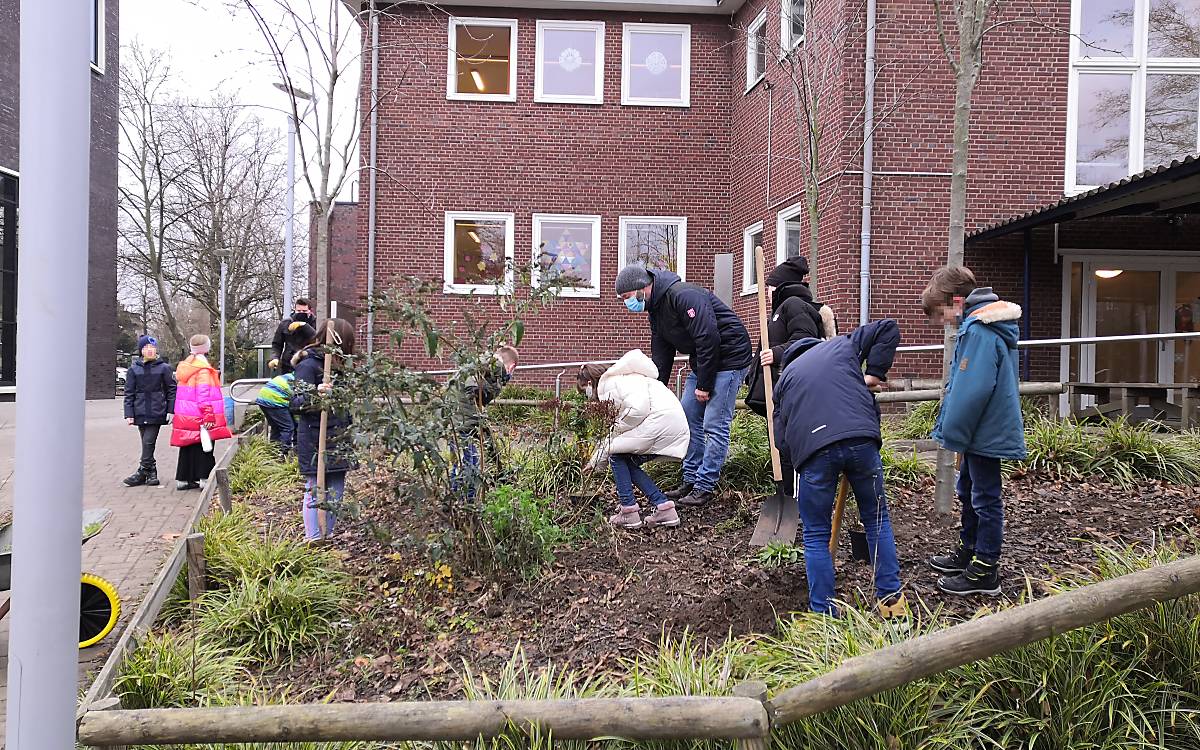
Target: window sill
(489, 290)
(746, 292)
(680, 103)
(586, 100)
(97, 69)
(795, 46)
(455, 97)
(751, 86)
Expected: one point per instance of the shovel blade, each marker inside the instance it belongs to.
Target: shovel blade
(778, 521)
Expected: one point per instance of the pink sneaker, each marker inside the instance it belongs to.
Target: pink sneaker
(626, 517)
(663, 515)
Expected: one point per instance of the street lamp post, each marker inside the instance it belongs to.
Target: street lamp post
(223, 255)
(291, 91)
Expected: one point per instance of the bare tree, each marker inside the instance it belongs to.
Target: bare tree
(314, 46)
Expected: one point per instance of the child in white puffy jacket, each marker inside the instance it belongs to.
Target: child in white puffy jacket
(650, 423)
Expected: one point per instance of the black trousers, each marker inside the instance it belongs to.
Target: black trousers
(149, 433)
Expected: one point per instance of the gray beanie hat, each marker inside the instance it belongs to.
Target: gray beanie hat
(633, 277)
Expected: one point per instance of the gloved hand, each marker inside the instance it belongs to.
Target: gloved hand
(273, 364)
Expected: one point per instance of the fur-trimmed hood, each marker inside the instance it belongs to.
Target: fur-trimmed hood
(984, 307)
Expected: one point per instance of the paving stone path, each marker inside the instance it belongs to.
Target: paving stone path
(144, 525)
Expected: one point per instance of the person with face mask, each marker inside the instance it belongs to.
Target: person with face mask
(149, 404)
(282, 350)
(689, 319)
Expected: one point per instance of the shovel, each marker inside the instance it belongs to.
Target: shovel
(780, 516)
(323, 436)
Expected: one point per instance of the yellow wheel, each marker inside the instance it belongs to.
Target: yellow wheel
(99, 608)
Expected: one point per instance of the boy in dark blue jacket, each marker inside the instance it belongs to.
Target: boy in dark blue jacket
(149, 404)
(827, 422)
(980, 418)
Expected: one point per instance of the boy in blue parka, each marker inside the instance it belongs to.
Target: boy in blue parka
(980, 419)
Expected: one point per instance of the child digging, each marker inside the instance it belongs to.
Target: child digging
(149, 403)
(650, 423)
(310, 389)
(275, 400)
(477, 392)
(827, 422)
(980, 418)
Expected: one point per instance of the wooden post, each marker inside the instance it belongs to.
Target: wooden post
(196, 566)
(224, 494)
(756, 690)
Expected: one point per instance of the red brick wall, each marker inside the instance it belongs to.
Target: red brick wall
(344, 247)
(708, 162)
(525, 157)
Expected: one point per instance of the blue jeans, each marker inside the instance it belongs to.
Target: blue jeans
(982, 508)
(858, 459)
(335, 488)
(627, 471)
(465, 476)
(282, 424)
(709, 424)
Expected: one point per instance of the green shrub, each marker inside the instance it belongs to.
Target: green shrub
(919, 421)
(235, 550)
(257, 467)
(903, 470)
(778, 554)
(1057, 448)
(520, 532)
(273, 617)
(1126, 453)
(169, 671)
(551, 469)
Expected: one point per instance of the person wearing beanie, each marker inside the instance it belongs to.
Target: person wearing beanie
(690, 319)
(282, 348)
(149, 404)
(199, 402)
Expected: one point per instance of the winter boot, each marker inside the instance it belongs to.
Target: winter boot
(683, 489)
(952, 562)
(697, 498)
(136, 479)
(979, 577)
(626, 517)
(151, 476)
(663, 515)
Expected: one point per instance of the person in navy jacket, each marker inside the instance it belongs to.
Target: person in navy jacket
(149, 404)
(692, 320)
(827, 423)
(980, 418)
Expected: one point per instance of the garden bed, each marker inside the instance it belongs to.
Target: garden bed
(611, 595)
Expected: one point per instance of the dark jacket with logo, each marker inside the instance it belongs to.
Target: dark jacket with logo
(309, 366)
(149, 391)
(691, 320)
(821, 397)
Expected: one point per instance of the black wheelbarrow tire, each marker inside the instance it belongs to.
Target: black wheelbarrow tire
(99, 608)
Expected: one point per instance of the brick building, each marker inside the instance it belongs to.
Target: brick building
(587, 134)
(102, 248)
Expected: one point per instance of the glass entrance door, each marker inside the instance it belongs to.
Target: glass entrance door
(1125, 302)
(1185, 314)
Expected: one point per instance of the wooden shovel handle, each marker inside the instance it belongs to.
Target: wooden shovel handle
(768, 385)
(322, 436)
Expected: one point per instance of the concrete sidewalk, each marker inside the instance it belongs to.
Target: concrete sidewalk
(144, 525)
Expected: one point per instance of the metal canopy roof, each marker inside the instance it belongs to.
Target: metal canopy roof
(1171, 189)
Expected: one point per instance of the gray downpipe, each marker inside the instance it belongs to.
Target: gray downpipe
(864, 263)
(371, 180)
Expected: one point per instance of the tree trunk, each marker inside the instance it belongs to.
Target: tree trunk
(964, 88)
(321, 259)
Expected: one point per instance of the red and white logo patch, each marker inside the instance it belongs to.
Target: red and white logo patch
(691, 312)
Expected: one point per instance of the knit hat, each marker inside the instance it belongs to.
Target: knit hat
(792, 270)
(633, 277)
(200, 344)
(144, 341)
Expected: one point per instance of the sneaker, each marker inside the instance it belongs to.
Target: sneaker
(152, 478)
(952, 562)
(136, 479)
(696, 498)
(979, 577)
(680, 491)
(663, 515)
(894, 607)
(626, 517)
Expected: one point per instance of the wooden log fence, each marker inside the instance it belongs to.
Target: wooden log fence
(747, 717)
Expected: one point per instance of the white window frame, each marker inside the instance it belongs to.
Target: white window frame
(786, 42)
(753, 75)
(1139, 66)
(592, 292)
(781, 219)
(99, 27)
(749, 280)
(597, 27)
(448, 252)
(452, 59)
(678, 221)
(685, 74)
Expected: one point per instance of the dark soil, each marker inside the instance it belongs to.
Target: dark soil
(611, 594)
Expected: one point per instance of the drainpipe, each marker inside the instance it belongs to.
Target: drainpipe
(371, 179)
(864, 263)
(1025, 304)
(770, 108)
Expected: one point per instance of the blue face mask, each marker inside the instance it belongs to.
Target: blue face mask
(635, 304)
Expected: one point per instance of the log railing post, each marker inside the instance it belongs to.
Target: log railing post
(755, 690)
(197, 569)
(107, 704)
(224, 494)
